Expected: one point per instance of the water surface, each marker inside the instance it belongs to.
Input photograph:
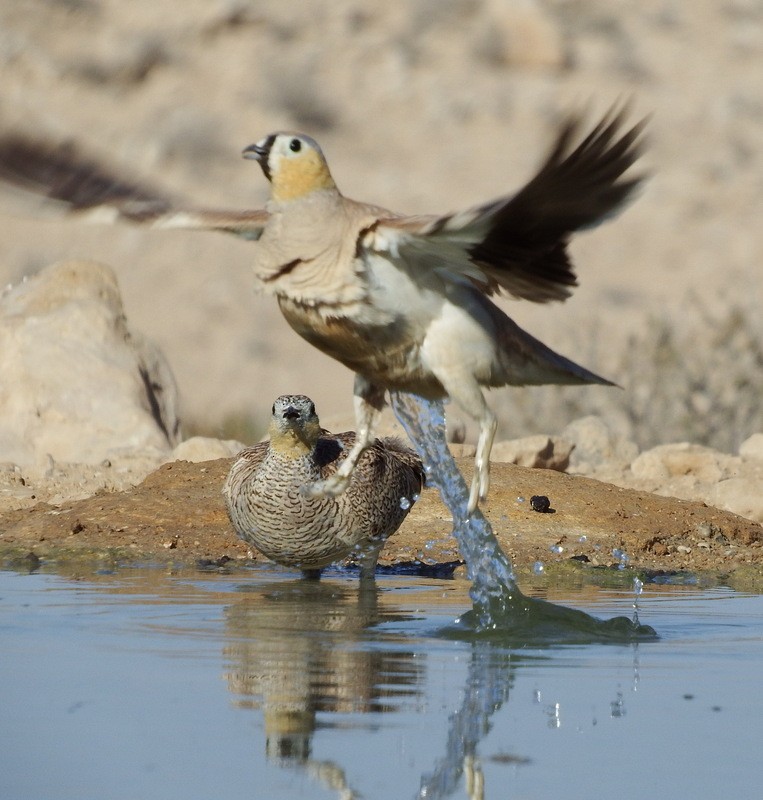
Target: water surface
(149, 684)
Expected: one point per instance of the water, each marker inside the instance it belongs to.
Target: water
(152, 684)
(498, 606)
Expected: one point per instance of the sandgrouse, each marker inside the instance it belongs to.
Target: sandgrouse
(268, 507)
(404, 302)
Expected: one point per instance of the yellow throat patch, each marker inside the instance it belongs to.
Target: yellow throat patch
(297, 177)
(294, 442)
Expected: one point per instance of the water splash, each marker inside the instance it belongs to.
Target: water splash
(638, 587)
(497, 604)
(488, 567)
(622, 557)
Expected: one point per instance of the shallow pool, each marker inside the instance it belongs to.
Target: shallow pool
(144, 683)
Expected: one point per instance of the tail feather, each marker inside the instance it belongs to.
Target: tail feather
(526, 361)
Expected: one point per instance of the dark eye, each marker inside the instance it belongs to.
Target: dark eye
(295, 145)
(273, 410)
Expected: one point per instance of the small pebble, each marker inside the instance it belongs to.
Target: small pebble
(540, 503)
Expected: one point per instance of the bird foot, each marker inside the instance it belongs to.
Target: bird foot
(474, 498)
(331, 487)
(479, 489)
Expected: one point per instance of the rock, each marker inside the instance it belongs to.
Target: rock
(78, 385)
(667, 461)
(519, 34)
(541, 452)
(597, 446)
(462, 450)
(743, 496)
(204, 448)
(751, 449)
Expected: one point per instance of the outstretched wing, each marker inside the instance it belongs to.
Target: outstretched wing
(519, 243)
(84, 187)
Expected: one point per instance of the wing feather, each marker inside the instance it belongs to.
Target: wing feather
(84, 187)
(519, 243)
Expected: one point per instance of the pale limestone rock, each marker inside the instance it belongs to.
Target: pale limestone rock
(540, 452)
(596, 445)
(463, 450)
(78, 385)
(751, 449)
(743, 496)
(685, 460)
(204, 448)
(521, 33)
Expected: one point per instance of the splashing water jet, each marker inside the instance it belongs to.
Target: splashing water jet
(497, 604)
(488, 568)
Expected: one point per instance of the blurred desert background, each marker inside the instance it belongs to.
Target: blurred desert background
(421, 106)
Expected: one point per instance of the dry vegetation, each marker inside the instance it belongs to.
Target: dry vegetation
(700, 382)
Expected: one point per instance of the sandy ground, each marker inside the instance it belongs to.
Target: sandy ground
(177, 516)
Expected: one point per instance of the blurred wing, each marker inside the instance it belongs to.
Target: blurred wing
(519, 243)
(83, 187)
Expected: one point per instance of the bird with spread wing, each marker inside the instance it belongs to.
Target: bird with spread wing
(403, 301)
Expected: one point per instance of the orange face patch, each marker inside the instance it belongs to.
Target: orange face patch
(296, 177)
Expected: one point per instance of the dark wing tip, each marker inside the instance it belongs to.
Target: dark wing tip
(577, 186)
(60, 172)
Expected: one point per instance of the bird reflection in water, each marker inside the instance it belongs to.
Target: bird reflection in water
(296, 649)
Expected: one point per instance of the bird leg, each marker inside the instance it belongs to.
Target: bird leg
(368, 402)
(465, 391)
(481, 478)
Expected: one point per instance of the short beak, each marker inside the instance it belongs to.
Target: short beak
(291, 413)
(257, 152)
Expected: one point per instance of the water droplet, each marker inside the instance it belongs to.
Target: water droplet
(583, 538)
(538, 568)
(405, 503)
(556, 548)
(554, 715)
(617, 706)
(638, 586)
(415, 498)
(520, 499)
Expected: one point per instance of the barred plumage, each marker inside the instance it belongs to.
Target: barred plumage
(268, 507)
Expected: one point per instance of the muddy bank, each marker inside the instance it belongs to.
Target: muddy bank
(176, 515)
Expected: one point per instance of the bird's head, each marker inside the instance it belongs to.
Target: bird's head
(294, 425)
(293, 163)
